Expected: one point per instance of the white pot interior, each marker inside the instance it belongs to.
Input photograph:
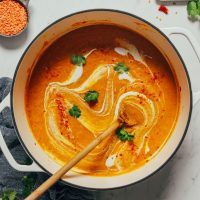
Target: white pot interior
(62, 27)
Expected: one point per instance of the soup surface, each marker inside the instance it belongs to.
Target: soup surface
(89, 78)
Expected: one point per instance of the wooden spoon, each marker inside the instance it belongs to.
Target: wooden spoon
(63, 170)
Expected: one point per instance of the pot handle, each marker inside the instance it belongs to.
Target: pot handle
(194, 44)
(23, 168)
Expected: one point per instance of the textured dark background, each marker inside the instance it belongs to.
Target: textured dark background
(12, 179)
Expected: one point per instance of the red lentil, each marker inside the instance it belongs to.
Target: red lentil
(13, 17)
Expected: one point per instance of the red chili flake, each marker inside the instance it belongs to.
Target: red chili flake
(142, 90)
(130, 61)
(84, 50)
(54, 74)
(13, 17)
(163, 9)
(64, 116)
(155, 77)
(132, 146)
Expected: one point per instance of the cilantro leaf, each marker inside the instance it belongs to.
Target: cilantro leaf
(121, 68)
(123, 135)
(75, 111)
(28, 182)
(193, 8)
(91, 96)
(78, 60)
(9, 195)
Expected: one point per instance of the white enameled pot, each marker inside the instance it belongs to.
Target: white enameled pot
(160, 38)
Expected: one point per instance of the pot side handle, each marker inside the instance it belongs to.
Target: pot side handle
(23, 168)
(194, 44)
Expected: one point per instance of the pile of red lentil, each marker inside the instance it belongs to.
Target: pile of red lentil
(13, 17)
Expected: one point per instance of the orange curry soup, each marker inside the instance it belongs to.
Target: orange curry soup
(91, 77)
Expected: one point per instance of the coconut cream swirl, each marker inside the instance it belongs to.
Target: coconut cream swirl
(60, 97)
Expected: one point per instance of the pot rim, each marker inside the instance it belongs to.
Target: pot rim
(96, 10)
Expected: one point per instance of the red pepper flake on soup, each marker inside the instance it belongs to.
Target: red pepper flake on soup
(13, 17)
(163, 9)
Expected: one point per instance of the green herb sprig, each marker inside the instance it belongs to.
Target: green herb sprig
(78, 60)
(9, 195)
(121, 68)
(29, 182)
(193, 8)
(91, 96)
(28, 185)
(75, 111)
(123, 135)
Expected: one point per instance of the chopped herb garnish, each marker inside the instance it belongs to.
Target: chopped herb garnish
(28, 185)
(91, 96)
(123, 135)
(78, 60)
(121, 68)
(75, 111)
(9, 195)
(29, 182)
(193, 8)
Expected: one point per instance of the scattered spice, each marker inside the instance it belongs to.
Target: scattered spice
(132, 146)
(155, 77)
(159, 18)
(63, 114)
(163, 9)
(13, 17)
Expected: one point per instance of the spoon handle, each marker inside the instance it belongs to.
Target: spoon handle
(62, 171)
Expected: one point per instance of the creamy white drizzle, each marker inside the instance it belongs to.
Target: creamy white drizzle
(110, 162)
(105, 109)
(75, 75)
(149, 110)
(133, 94)
(126, 48)
(121, 51)
(99, 73)
(78, 71)
(126, 76)
(147, 149)
(90, 52)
